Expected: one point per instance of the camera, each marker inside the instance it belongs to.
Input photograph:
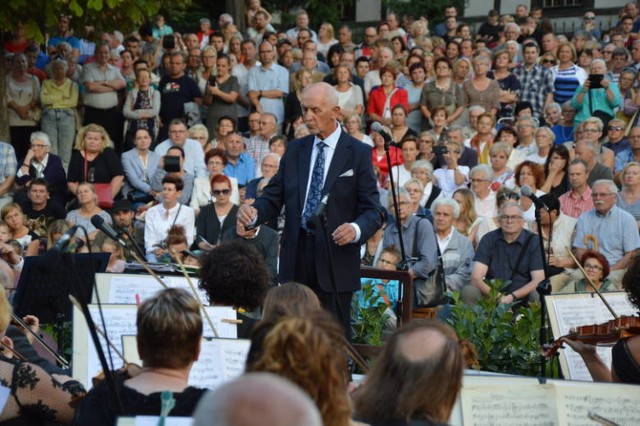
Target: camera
(440, 149)
(595, 81)
(171, 164)
(212, 80)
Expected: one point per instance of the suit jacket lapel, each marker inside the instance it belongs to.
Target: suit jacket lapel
(304, 158)
(340, 158)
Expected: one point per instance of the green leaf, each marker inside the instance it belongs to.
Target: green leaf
(76, 8)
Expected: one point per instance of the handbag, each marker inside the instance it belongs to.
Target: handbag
(103, 190)
(431, 291)
(137, 196)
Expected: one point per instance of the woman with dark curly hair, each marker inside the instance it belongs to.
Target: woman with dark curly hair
(235, 274)
(308, 351)
(556, 170)
(625, 364)
(597, 268)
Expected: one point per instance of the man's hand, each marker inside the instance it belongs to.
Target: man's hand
(344, 234)
(246, 214)
(33, 322)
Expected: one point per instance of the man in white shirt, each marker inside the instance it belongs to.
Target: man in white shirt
(193, 154)
(483, 197)
(241, 72)
(160, 218)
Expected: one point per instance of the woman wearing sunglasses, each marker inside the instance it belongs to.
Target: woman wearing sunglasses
(216, 218)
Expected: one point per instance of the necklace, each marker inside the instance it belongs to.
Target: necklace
(444, 87)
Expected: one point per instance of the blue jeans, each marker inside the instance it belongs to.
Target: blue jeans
(60, 125)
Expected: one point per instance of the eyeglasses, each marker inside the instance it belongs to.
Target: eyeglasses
(220, 192)
(510, 196)
(549, 61)
(215, 163)
(615, 128)
(589, 18)
(508, 218)
(593, 267)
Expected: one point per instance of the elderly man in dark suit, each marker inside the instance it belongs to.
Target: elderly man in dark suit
(327, 164)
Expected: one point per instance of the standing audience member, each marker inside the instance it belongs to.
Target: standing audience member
(141, 108)
(221, 93)
(268, 83)
(193, 153)
(102, 81)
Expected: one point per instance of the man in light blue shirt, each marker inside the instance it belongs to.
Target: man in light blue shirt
(193, 153)
(268, 83)
(239, 163)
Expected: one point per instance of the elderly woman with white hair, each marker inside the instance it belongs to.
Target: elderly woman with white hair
(544, 138)
(499, 155)
(596, 98)
(422, 170)
(41, 163)
(59, 98)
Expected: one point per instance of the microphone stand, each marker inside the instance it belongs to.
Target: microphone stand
(544, 287)
(396, 209)
(136, 246)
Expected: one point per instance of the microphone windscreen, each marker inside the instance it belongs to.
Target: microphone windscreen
(526, 190)
(97, 221)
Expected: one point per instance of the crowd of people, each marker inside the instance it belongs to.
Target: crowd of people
(472, 133)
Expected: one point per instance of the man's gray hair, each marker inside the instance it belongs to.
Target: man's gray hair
(482, 168)
(608, 183)
(446, 202)
(423, 165)
(400, 193)
(271, 155)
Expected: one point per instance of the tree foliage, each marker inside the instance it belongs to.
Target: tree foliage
(432, 9)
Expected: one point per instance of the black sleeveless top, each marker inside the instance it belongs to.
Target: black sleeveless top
(624, 365)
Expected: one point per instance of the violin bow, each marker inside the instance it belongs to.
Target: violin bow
(176, 256)
(53, 353)
(591, 283)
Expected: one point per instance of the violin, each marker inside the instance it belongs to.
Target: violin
(604, 334)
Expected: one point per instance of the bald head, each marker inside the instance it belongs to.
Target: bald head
(323, 91)
(257, 399)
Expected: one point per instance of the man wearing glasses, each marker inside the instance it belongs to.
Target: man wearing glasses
(589, 25)
(611, 226)
(616, 140)
(509, 253)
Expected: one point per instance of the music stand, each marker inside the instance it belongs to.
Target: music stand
(44, 288)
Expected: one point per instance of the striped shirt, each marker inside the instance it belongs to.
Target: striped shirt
(574, 206)
(566, 82)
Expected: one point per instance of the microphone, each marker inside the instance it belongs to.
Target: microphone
(527, 192)
(379, 129)
(99, 223)
(63, 242)
(323, 206)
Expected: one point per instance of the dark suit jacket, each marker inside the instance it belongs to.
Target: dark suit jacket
(55, 176)
(353, 198)
(208, 224)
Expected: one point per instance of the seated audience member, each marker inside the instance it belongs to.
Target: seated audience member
(616, 139)
(578, 199)
(269, 168)
(626, 352)
(532, 175)
(417, 236)
(487, 224)
(455, 249)
(40, 163)
(386, 290)
(610, 225)
(178, 247)
(597, 270)
(234, 274)
(423, 171)
(265, 398)
(263, 238)
(169, 337)
(12, 215)
(278, 144)
(216, 161)
(116, 259)
(452, 175)
(140, 164)
(124, 219)
(556, 171)
(484, 198)
(628, 198)
(180, 173)
(309, 352)
(161, 217)
(560, 228)
(88, 207)
(508, 253)
(216, 218)
(193, 153)
(468, 219)
(39, 208)
(397, 390)
(415, 189)
(94, 160)
(34, 395)
(587, 151)
(468, 156)
(630, 154)
(239, 163)
(499, 158)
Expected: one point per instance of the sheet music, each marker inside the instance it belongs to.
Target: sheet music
(503, 405)
(221, 360)
(120, 321)
(578, 310)
(123, 288)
